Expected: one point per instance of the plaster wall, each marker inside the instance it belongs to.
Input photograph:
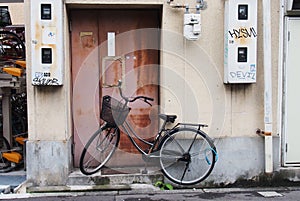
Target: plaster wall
(191, 87)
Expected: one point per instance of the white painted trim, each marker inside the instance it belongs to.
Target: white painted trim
(111, 44)
(284, 105)
(289, 5)
(118, 2)
(280, 83)
(284, 85)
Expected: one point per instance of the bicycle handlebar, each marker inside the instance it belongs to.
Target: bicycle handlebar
(127, 99)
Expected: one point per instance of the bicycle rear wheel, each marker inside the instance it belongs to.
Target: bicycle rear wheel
(11, 46)
(99, 149)
(4, 147)
(187, 156)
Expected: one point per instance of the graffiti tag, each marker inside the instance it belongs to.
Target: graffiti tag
(243, 75)
(45, 81)
(243, 33)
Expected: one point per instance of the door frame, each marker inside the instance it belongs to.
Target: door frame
(71, 7)
(283, 93)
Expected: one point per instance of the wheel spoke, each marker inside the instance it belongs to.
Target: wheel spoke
(88, 162)
(190, 166)
(185, 169)
(192, 143)
(172, 154)
(98, 150)
(174, 167)
(177, 143)
(102, 144)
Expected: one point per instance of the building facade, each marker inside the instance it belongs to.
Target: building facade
(222, 69)
(17, 12)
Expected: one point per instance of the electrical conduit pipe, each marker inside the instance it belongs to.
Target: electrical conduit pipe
(268, 86)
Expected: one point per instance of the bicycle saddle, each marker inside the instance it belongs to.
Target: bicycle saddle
(168, 118)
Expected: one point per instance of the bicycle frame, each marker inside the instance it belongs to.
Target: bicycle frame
(130, 131)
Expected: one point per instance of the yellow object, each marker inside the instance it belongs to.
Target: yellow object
(12, 156)
(21, 63)
(21, 140)
(13, 71)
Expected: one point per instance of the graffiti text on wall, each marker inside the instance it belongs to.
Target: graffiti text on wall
(44, 79)
(243, 33)
(243, 74)
(240, 75)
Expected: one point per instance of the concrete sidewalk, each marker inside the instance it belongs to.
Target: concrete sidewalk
(11, 180)
(15, 182)
(147, 191)
(121, 185)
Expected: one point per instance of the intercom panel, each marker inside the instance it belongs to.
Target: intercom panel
(47, 42)
(240, 51)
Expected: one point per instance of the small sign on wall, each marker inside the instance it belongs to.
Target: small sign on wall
(49, 35)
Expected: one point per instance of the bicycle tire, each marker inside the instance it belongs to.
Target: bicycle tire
(15, 44)
(4, 147)
(4, 144)
(187, 156)
(99, 149)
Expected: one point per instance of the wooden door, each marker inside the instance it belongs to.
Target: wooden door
(108, 45)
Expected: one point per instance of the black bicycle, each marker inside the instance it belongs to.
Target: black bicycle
(187, 155)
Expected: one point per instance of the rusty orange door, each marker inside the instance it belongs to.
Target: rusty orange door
(110, 45)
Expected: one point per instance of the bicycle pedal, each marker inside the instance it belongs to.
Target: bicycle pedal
(151, 158)
(145, 171)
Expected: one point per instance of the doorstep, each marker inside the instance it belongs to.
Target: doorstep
(78, 182)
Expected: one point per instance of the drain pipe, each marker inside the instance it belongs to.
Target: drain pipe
(268, 86)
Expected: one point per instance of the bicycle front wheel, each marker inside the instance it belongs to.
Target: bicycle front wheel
(187, 156)
(99, 149)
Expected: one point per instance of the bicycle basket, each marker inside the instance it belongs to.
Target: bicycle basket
(113, 111)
